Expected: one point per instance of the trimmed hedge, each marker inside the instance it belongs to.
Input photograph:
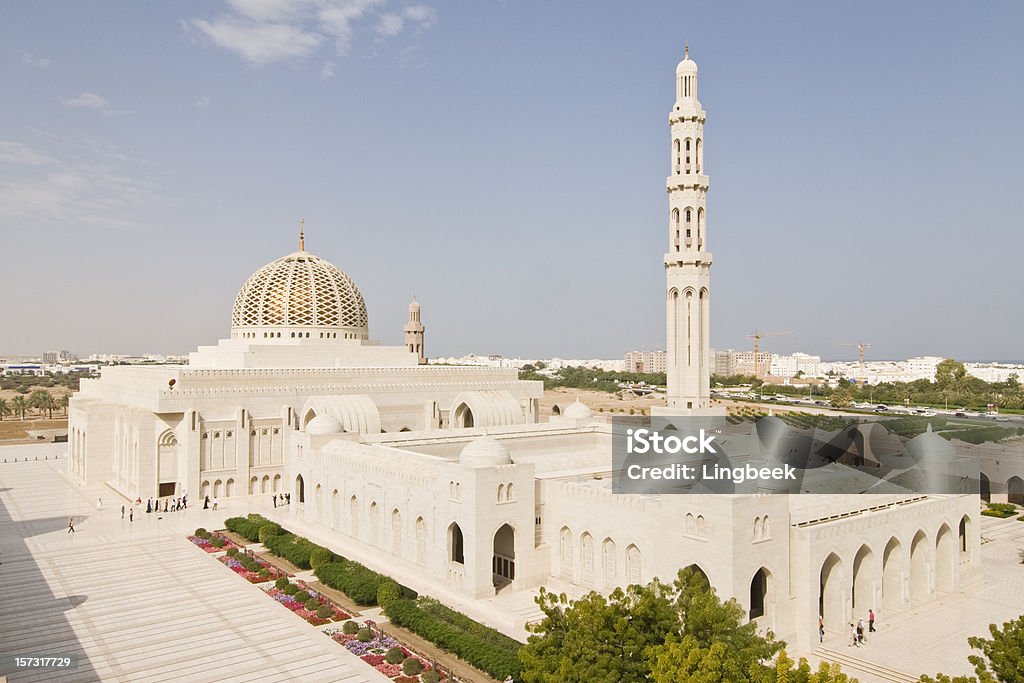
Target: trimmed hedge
(352, 579)
(295, 549)
(248, 527)
(482, 647)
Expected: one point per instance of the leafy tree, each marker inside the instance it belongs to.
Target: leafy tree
(1001, 658)
(713, 644)
(20, 406)
(842, 397)
(5, 408)
(784, 672)
(65, 401)
(596, 638)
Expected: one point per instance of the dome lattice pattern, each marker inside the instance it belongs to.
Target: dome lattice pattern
(299, 289)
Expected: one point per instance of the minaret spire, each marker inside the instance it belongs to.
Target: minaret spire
(686, 50)
(302, 236)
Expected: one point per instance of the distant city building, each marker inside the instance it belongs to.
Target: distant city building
(646, 361)
(789, 366)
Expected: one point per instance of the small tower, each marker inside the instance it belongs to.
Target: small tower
(414, 331)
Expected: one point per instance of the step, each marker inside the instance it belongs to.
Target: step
(848, 661)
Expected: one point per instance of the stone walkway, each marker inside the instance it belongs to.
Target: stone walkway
(135, 601)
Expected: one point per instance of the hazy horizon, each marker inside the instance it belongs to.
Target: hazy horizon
(506, 163)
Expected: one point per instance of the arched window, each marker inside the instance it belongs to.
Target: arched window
(691, 524)
(229, 488)
(565, 552)
(396, 532)
(374, 524)
(300, 489)
(501, 493)
(253, 484)
(633, 564)
(962, 533)
(699, 156)
(587, 557)
(687, 164)
(456, 548)
(353, 513)
(421, 541)
(758, 592)
(509, 492)
(702, 529)
(608, 560)
(675, 228)
(676, 157)
(700, 228)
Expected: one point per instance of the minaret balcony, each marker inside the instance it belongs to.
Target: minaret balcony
(685, 180)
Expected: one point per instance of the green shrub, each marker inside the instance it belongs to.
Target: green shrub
(412, 666)
(232, 552)
(249, 527)
(351, 578)
(264, 573)
(997, 513)
(282, 583)
(302, 596)
(1002, 507)
(202, 533)
(295, 549)
(395, 656)
(217, 542)
(387, 591)
(430, 676)
(324, 611)
(312, 604)
(364, 635)
(350, 628)
(291, 589)
(268, 530)
(320, 556)
(482, 647)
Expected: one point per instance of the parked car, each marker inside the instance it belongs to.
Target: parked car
(960, 413)
(881, 408)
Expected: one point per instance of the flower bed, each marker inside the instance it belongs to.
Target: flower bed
(266, 572)
(289, 601)
(207, 544)
(374, 652)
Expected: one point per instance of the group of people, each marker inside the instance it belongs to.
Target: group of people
(169, 504)
(857, 631)
(286, 498)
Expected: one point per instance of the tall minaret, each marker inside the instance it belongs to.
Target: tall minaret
(414, 331)
(688, 262)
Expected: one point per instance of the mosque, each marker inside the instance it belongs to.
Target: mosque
(446, 478)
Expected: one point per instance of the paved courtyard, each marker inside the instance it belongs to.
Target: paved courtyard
(135, 601)
(933, 638)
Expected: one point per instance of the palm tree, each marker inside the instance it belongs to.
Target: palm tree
(64, 401)
(5, 408)
(20, 406)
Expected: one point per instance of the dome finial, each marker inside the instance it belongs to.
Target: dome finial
(302, 236)
(686, 50)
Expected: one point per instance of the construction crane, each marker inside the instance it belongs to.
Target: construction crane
(860, 349)
(756, 336)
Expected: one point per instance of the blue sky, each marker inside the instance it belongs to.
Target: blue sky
(506, 162)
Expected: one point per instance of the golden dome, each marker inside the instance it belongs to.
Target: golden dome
(300, 290)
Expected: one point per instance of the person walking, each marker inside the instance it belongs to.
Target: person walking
(821, 628)
(131, 514)
(149, 505)
(853, 636)
(122, 512)
(71, 525)
(184, 500)
(860, 631)
(871, 620)
(216, 502)
(99, 504)
(275, 500)
(206, 503)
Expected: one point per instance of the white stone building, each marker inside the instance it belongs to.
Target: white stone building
(444, 478)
